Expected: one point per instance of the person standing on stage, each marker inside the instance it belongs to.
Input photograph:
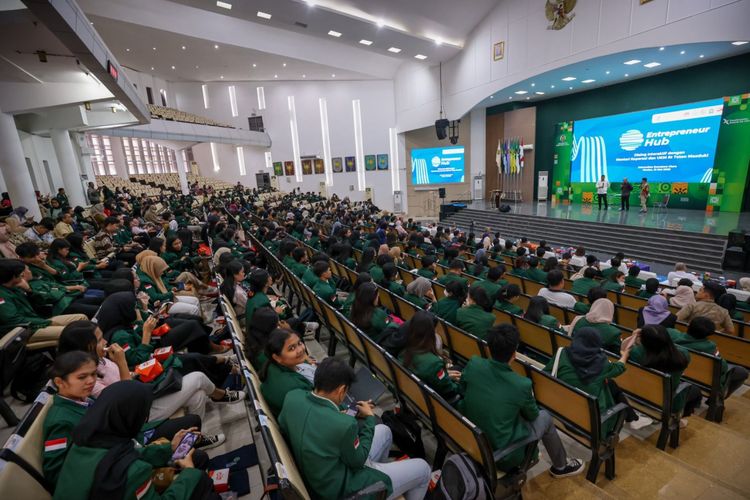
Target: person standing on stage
(601, 192)
(625, 190)
(644, 195)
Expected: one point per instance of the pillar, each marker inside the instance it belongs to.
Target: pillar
(15, 173)
(118, 156)
(69, 170)
(85, 155)
(181, 165)
(478, 150)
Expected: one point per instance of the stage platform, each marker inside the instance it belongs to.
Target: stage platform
(660, 236)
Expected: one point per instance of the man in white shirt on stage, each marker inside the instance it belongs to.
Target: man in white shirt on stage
(601, 192)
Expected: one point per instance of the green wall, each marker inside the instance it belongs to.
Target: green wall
(715, 79)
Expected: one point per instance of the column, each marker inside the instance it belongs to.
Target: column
(118, 156)
(478, 149)
(71, 175)
(85, 155)
(181, 171)
(16, 175)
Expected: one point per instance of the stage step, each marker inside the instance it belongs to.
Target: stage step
(699, 251)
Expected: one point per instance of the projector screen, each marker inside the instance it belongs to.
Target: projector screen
(672, 144)
(437, 165)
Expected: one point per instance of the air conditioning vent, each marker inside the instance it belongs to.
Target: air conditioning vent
(301, 25)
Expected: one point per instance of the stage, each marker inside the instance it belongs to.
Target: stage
(659, 237)
(692, 221)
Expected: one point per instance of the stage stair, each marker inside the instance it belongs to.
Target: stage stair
(701, 252)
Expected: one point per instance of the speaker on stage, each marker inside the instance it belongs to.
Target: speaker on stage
(504, 208)
(441, 193)
(735, 258)
(441, 128)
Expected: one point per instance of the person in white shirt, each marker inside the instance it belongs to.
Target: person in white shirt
(680, 271)
(554, 293)
(41, 232)
(601, 192)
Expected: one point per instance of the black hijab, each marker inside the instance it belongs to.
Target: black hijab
(112, 423)
(586, 355)
(116, 312)
(123, 273)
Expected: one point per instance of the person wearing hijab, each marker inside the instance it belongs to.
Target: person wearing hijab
(585, 366)
(150, 271)
(16, 220)
(419, 292)
(683, 295)
(7, 248)
(104, 461)
(600, 317)
(656, 312)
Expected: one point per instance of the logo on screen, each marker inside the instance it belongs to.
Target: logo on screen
(630, 140)
(435, 161)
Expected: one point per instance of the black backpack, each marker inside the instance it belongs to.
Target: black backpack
(461, 479)
(407, 434)
(31, 375)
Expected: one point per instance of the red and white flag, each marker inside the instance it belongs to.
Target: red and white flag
(55, 444)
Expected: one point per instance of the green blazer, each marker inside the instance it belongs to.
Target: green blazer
(637, 354)
(596, 387)
(610, 334)
(536, 274)
(257, 301)
(176, 260)
(66, 272)
(376, 273)
(51, 293)
(446, 308)
(77, 475)
(513, 404)
(148, 286)
(581, 286)
(504, 305)
(324, 290)
(279, 382)
(329, 447)
(631, 281)
(549, 321)
(489, 287)
(298, 269)
(309, 278)
(15, 309)
(645, 294)
(431, 370)
(378, 323)
(609, 272)
(612, 285)
(426, 273)
(417, 301)
(396, 288)
(701, 345)
(447, 278)
(475, 320)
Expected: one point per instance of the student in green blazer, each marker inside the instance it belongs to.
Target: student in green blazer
(421, 356)
(651, 288)
(632, 278)
(600, 317)
(655, 349)
(513, 416)
(176, 255)
(366, 315)
(614, 267)
(299, 262)
(105, 462)
(390, 272)
(615, 282)
(476, 315)
(323, 287)
(346, 306)
(520, 266)
(286, 356)
(534, 273)
(585, 366)
(538, 312)
(493, 282)
(581, 286)
(696, 339)
(419, 292)
(67, 271)
(260, 280)
(336, 455)
(453, 274)
(506, 298)
(448, 306)
(428, 268)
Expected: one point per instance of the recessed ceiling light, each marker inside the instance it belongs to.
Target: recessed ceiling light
(275, 76)
(606, 72)
(152, 68)
(569, 78)
(254, 65)
(365, 42)
(333, 75)
(682, 52)
(661, 48)
(284, 65)
(632, 61)
(740, 42)
(310, 3)
(196, 66)
(334, 33)
(652, 64)
(264, 15)
(521, 92)
(539, 93)
(222, 77)
(570, 88)
(552, 86)
(421, 57)
(216, 46)
(380, 23)
(533, 84)
(510, 97)
(395, 50)
(626, 75)
(589, 80)
(173, 67)
(700, 56)
(153, 48)
(304, 76)
(184, 48)
(127, 50)
(224, 5)
(492, 97)
(438, 41)
(528, 98)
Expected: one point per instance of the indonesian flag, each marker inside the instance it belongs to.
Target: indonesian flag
(356, 443)
(441, 374)
(142, 490)
(520, 156)
(55, 444)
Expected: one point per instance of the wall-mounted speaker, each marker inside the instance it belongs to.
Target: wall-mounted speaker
(441, 193)
(441, 128)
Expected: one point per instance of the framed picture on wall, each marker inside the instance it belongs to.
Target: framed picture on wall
(319, 166)
(383, 162)
(278, 168)
(370, 163)
(351, 163)
(288, 168)
(306, 167)
(337, 164)
(498, 51)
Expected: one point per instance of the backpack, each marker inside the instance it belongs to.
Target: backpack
(461, 479)
(31, 376)
(407, 435)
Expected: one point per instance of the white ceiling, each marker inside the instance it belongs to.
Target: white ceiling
(134, 44)
(411, 25)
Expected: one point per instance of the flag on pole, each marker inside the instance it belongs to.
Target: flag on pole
(499, 155)
(520, 156)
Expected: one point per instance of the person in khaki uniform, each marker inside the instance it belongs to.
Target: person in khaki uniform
(513, 415)
(706, 306)
(16, 310)
(336, 456)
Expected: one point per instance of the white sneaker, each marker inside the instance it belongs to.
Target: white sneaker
(643, 421)
(310, 328)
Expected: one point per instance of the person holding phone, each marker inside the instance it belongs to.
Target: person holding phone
(104, 461)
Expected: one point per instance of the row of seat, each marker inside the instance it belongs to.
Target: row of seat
(172, 114)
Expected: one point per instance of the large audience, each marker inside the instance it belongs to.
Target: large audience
(124, 295)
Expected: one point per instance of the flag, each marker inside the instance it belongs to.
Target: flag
(499, 155)
(520, 156)
(512, 153)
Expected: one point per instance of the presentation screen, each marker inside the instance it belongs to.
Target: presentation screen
(437, 165)
(676, 143)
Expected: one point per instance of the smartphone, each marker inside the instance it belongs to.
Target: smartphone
(186, 444)
(352, 410)
(180, 286)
